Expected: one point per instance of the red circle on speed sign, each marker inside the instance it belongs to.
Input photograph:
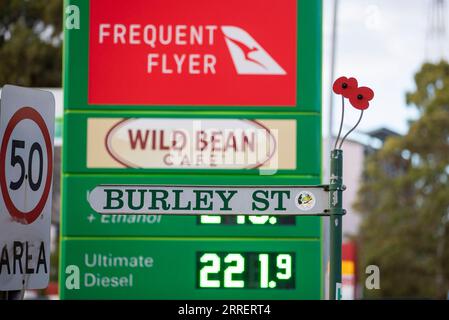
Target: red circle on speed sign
(18, 215)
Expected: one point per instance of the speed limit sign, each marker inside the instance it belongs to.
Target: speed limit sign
(26, 172)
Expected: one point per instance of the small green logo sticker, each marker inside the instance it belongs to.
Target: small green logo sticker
(305, 200)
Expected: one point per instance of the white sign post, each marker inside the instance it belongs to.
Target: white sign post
(197, 200)
(26, 167)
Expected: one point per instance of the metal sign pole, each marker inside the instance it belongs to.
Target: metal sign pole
(359, 97)
(336, 218)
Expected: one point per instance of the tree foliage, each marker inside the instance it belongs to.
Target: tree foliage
(405, 198)
(30, 42)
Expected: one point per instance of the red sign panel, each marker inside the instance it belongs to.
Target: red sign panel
(197, 52)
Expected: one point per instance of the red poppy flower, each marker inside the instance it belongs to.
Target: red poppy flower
(344, 86)
(360, 97)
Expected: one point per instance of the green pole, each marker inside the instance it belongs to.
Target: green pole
(336, 218)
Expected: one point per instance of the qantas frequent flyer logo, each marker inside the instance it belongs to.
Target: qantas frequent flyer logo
(248, 56)
(148, 53)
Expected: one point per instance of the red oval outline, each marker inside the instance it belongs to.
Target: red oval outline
(111, 152)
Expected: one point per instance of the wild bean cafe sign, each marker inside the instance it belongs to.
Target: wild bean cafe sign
(191, 143)
(188, 200)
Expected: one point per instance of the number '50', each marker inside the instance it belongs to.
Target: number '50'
(18, 160)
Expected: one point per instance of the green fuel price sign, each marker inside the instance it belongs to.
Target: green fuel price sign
(247, 112)
(191, 269)
(246, 270)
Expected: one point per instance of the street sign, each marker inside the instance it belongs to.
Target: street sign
(80, 220)
(26, 168)
(223, 200)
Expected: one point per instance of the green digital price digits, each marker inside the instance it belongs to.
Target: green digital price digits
(246, 220)
(250, 270)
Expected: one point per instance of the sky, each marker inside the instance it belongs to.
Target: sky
(382, 43)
